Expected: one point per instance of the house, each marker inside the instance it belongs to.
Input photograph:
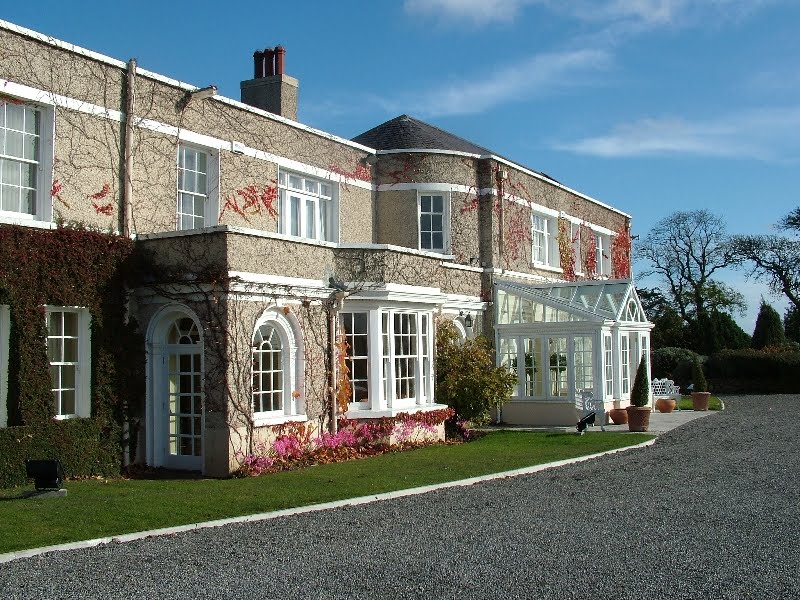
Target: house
(264, 250)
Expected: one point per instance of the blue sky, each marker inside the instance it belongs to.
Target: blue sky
(651, 106)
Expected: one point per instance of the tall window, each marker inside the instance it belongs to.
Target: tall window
(602, 267)
(625, 363)
(432, 216)
(559, 376)
(306, 207)
(584, 363)
(268, 365)
(356, 332)
(405, 355)
(68, 354)
(608, 366)
(540, 239)
(534, 381)
(193, 200)
(20, 141)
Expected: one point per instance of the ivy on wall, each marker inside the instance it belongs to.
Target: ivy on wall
(71, 267)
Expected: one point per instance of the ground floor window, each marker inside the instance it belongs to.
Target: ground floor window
(389, 357)
(68, 352)
(275, 374)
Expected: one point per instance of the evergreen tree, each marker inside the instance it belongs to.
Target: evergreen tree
(769, 328)
(730, 335)
(640, 394)
(791, 324)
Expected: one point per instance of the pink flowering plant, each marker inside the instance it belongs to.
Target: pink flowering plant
(295, 444)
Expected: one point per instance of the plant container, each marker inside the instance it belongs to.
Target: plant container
(638, 418)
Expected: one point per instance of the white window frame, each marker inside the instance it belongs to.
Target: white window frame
(44, 166)
(211, 203)
(600, 248)
(82, 364)
(608, 366)
(291, 406)
(540, 239)
(445, 214)
(5, 329)
(310, 193)
(349, 336)
(382, 359)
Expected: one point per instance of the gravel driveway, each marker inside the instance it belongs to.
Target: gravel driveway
(712, 510)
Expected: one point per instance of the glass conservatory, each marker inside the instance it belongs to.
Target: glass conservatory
(573, 346)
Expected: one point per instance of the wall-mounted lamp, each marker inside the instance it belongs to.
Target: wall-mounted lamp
(198, 94)
(467, 319)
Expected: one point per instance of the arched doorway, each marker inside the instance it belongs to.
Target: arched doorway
(175, 415)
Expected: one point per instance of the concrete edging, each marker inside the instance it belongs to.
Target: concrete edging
(129, 537)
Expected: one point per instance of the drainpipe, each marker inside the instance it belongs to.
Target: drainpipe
(126, 218)
(500, 176)
(126, 212)
(333, 383)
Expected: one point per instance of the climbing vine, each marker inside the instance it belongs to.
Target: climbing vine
(566, 250)
(588, 251)
(621, 253)
(252, 200)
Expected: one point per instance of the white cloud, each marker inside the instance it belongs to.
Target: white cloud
(535, 77)
(479, 12)
(631, 15)
(763, 134)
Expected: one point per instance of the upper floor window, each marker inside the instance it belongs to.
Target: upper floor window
(432, 222)
(197, 206)
(25, 156)
(306, 207)
(68, 353)
(540, 239)
(603, 260)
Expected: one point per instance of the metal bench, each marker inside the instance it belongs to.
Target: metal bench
(665, 388)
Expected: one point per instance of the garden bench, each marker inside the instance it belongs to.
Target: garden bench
(666, 388)
(585, 403)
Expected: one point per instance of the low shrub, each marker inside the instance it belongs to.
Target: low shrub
(466, 377)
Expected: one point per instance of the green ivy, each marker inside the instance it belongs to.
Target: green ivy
(68, 266)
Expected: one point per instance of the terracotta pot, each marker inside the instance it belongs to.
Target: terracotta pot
(700, 400)
(638, 418)
(618, 415)
(666, 405)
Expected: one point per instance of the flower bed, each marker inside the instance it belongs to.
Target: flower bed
(297, 444)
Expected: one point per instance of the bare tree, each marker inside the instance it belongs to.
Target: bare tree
(774, 259)
(685, 250)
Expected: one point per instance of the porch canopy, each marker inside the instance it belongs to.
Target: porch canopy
(571, 345)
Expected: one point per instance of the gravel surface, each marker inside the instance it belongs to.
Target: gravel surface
(712, 510)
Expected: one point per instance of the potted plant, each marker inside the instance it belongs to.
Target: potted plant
(639, 410)
(700, 393)
(618, 415)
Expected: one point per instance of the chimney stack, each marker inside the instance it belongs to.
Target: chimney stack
(271, 89)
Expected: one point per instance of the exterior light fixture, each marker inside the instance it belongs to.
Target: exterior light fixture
(46, 474)
(467, 319)
(198, 94)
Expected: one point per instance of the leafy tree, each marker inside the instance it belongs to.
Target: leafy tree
(791, 324)
(685, 250)
(769, 328)
(466, 376)
(774, 259)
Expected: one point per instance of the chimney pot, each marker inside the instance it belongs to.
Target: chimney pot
(280, 58)
(269, 62)
(258, 64)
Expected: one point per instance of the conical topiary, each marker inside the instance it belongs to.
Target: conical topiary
(640, 394)
(698, 378)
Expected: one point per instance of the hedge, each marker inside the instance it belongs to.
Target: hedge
(754, 371)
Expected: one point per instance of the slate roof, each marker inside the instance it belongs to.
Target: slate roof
(404, 133)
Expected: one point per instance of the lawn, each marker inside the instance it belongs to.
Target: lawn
(714, 403)
(95, 508)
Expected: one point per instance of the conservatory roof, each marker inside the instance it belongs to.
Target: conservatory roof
(608, 300)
